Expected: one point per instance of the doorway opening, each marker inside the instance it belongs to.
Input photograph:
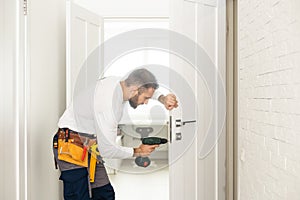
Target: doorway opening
(125, 175)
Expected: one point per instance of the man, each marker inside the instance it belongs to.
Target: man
(99, 110)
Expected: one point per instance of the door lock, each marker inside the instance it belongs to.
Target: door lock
(178, 136)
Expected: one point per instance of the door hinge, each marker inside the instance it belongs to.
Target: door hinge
(25, 7)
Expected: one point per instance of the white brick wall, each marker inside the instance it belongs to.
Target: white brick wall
(269, 99)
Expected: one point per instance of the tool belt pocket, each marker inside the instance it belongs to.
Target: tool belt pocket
(71, 152)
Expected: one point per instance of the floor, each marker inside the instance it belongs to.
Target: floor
(137, 183)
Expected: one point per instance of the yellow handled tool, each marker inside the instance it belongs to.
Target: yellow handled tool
(93, 162)
(94, 155)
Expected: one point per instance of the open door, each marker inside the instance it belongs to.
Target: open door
(198, 172)
(84, 34)
(182, 150)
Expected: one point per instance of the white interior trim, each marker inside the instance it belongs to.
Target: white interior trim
(68, 53)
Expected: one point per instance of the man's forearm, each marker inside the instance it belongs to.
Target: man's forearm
(161, 99)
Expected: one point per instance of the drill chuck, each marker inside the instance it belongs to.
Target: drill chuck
(142, 161)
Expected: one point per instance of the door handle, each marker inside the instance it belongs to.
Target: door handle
(179, 123)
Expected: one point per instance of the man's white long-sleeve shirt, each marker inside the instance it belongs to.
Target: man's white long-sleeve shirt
(98, 110)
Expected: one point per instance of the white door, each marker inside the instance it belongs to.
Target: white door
(182, 154)
(197, 167)
(84, 35)
(211, 35)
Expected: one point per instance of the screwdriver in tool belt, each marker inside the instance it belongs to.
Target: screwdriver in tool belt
(85, 147)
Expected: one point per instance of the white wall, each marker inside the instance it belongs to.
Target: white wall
(8, 167)
(47, 93)
(127, 8)
(269, 99)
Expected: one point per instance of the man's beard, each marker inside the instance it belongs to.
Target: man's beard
(133, 101)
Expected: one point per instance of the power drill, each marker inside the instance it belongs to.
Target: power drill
(145, 161)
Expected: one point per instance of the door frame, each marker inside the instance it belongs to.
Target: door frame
(14, 82)
(232, 101)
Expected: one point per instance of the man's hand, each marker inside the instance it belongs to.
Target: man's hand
(169, 101)
(144, 150)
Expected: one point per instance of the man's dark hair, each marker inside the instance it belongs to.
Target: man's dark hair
(142, 78)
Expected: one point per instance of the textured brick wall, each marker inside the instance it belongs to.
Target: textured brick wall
(269, 99)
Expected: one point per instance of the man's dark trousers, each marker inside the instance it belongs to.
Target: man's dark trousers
(76, 186)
